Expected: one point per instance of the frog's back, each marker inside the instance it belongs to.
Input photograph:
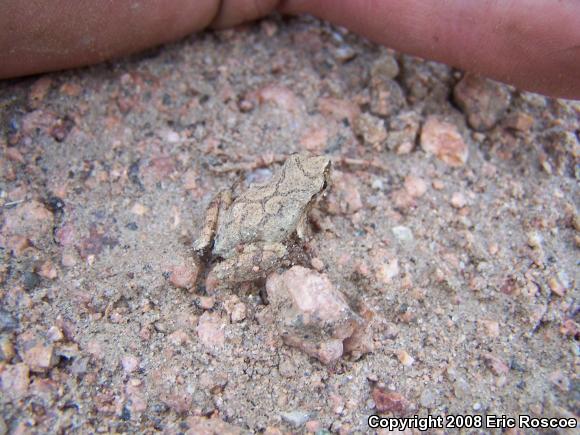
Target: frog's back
(270, 212)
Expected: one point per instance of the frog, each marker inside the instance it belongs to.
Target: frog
(247, 237)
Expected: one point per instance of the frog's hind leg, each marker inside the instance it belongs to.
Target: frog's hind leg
(253, 263)
(203, 243)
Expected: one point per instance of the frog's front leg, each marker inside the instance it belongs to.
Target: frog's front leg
(219, 203)
(253, 262)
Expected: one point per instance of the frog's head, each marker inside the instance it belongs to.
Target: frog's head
(315, 167)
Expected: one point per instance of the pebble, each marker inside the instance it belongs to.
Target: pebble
(344, 53)
(385, 266)
(38, 92)
(39, 357)
(458, 200)
(30, 280)
(210, 426)
(30, 221)
(295, 418)
(339, 110)
(206, 302)
(484, 101)
(47, 270)
(139, 209)
(15, 380)
(444, 140)
(315, 139)
(519, 121)
(389, 401)
(556, 286)
(404, 358)
(415, 186)
(402, 233)
(345, 197)
(184, 276)
(178, 338)
(490, 328)
(385, 66)
(387, 97)
(7, 351)
(280, 97)
(239, 312)
(210, 330)
(496, 364)
(317, 264)
(8, 322)
(55, 334)
(130, 363)
(372, 130)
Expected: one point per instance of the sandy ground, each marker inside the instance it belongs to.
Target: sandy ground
(452, 217)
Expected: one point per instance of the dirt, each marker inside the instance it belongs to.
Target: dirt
(461, 239)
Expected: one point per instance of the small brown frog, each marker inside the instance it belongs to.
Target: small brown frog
(250, 233)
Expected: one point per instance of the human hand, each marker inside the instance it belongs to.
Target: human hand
(533, 44)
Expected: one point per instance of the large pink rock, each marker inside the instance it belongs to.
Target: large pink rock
(444, 140)
(315, 317)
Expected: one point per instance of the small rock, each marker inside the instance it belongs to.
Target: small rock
(387, 97)
(560, 380)
(295, 418)
(490, 328)
(313, 426)
(206, 302)
(15, 380)
(484, 101)
(139, 209)
(415, 186)
(8, 322)
(371, 129)
(339, 109)
(317, 264)
(402, 132)
(130, 363)
(280, 97)
(404, 358)
(30, 280)
(39, 91)
(390, 402)
(402, 233)
(535, 239)
(385, 66)
(178, 338)
(385, 266)
(519, 121)
(210, 426)
(30, 221)
(444, 140)
(39, 357)
(210, 330)
(7, 351)
(239, 312)
(458, 200)
(184, 276)
(55, 334)
(315, 139)
(345, 197)
(556, 286)
(497, 365)
(189, 180)
(344, 53)
(47, 270)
